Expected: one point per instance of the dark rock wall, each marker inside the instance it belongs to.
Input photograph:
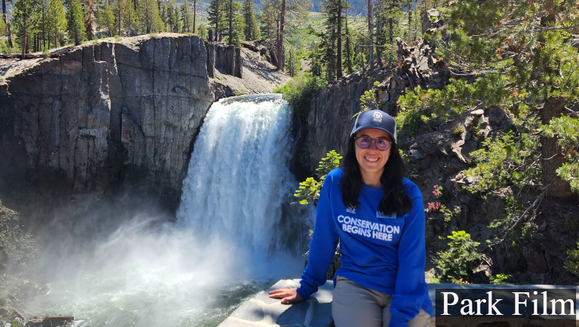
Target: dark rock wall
(330, 119)
(104, 115)
(225, 58)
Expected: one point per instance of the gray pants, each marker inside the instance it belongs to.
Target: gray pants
(356, 305)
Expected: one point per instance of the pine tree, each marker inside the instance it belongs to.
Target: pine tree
(216, 16)
(291, 11)
(519, 56)
(107, 18)
(56, 21)
(202, 31)
(251, 30)
(150, 18)
(335, 20)
(195, 15)
(176, 25)
(171, 17)
(187, 17)
(75, 19)
(235, 23)
(89, 17)
(42, 28)
(25, 21)
(269, 18)
(126, 17)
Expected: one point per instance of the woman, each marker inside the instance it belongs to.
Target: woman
(378, 217)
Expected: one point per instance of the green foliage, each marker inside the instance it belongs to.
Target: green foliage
(368, 100)
(506, 159)
(309, 189)
(56, 24)
(25, 21)
(235, 22)
(186, 17)
(518, 59)
(130, 20)
(202, 31)
(292, 62)
(300, 91)
(458, 131)
(457, 262)
(500, 279)
(251, 30)
(107, 18)
(149, 16)
(334, 36)
(17, 247)
(3, 30)
(572, 264)
(409, 121)
(566, 129)
(216, 15)
(171, 16)
(328, 163)
(5, 48)
(75, 19)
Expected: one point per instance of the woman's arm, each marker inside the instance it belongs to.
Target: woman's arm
(407, 299)
(324, 239)
(288, 295)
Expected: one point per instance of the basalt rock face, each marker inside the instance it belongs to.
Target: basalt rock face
(103, 116)
(330, 120)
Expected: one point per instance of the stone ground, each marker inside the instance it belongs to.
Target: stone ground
(317, 310)
(259, 76)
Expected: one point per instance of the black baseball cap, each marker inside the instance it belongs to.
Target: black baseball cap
(377, 119)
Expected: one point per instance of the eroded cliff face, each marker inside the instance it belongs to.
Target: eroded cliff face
(103, 116)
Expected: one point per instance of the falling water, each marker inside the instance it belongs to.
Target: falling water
(232, 238)
(238, 177)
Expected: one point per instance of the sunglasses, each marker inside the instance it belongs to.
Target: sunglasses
(364, 142)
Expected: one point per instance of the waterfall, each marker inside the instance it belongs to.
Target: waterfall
(233, 231)
(238, 177)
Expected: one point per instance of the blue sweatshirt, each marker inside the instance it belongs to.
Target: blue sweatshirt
(381, 252)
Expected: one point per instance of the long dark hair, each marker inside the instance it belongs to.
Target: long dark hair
(395, 200)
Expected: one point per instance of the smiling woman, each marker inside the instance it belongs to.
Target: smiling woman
(377, 215)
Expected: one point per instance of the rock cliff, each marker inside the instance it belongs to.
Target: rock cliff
(101, 116)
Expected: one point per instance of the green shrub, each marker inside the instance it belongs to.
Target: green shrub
(300, 91)
(4, 48)
(500, 279)
(572, 265)
(457, 262)
(309, 189)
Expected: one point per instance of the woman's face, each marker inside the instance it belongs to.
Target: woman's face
(372, 160)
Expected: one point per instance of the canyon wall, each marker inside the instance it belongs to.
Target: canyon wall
(101, 117)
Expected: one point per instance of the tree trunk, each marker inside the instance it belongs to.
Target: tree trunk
(339, 47)
(119, 29)
(24, 43)
(280, 38)
(230, 22)
(379, 29)
(194, 14)
(5, 17)
(370, 30)
(552, 158)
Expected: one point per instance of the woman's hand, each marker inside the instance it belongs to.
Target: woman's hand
(287, 295)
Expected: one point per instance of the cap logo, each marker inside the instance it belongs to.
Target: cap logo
(377, 117)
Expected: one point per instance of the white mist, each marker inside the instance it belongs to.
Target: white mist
(230, 240)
